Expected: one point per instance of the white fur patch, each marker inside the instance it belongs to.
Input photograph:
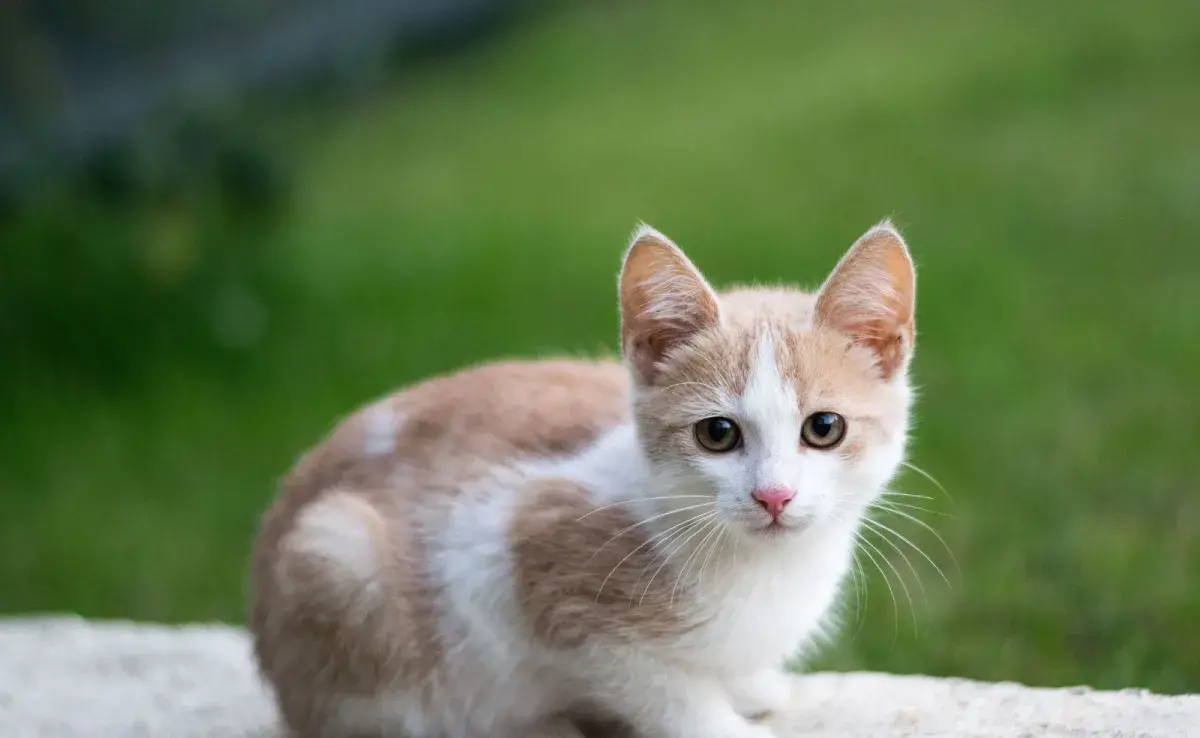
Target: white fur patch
(334, 535)
(382, 424)
(769, 401)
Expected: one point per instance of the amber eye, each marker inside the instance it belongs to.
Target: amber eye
(718, 434)
(823, 430)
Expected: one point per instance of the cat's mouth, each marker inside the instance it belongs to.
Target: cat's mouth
(780, 527)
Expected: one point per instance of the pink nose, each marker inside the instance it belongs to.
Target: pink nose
(773, 499)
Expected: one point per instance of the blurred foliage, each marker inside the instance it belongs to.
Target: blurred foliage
(143, 24)
(1041, 157)
(158, 248)
(81, 76)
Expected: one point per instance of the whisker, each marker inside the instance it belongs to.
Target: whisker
(880, 529)
(676, 532)
(639, 499)
(681, 574)
(649, 520)
(894, 493)
(715, 527)
(720, 541)
(708, 526)
(674, 551)
(886, 581)
(855, 578)
(929, 528)
(890, 505)
(899, 578)
(861, 590)
(642, 545)
(928, 476)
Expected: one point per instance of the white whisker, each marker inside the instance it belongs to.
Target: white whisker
(650, 519)
(895, 605)
(674, 551)
(881, 529)
(661, 545)
(883, 504)
(894, 493)
(899, 578)
(720, 541)
(648, 541)
(928, 476)
(929, 528)
(861, 593)
(639, 499)
(715, 526)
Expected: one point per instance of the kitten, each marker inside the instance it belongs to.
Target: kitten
(499, 552)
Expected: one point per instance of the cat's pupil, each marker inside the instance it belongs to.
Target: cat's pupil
(719, 429)
(822, 424)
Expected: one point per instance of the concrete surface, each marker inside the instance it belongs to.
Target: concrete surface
(71, 678)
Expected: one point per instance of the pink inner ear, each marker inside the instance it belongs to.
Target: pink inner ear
(870, 297)
(899, 268)
(664, 300)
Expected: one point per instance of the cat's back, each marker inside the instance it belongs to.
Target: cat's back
(511, 409)
(442, 430)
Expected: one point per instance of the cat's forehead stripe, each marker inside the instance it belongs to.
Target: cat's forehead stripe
(770, 396)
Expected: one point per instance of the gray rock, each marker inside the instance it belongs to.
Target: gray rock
(77, 679)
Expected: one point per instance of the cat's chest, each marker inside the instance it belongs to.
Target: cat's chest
(760, 618)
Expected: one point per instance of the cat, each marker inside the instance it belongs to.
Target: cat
(504, 551)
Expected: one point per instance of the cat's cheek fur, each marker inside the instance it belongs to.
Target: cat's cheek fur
(865, 475)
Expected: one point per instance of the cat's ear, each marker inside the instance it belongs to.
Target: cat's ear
(871, 297)
(664, 301)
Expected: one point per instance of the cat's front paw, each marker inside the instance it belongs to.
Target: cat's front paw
(666, 703)
(751, 730)
(742, 729)
(761, 695)
(735, 726)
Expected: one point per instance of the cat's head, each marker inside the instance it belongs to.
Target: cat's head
(789, 408)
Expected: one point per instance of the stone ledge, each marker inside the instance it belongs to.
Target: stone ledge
(70, 678)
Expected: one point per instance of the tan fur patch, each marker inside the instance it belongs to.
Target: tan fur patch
(576, 577)
(321, 632)
(311, 640)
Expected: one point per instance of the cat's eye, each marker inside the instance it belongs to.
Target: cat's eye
(823, 430)
(718, 434)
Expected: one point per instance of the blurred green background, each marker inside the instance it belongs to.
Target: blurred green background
(183, 313)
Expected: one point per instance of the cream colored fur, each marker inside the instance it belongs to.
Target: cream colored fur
(503, 552)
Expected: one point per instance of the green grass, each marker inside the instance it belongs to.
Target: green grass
(1041, 157)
